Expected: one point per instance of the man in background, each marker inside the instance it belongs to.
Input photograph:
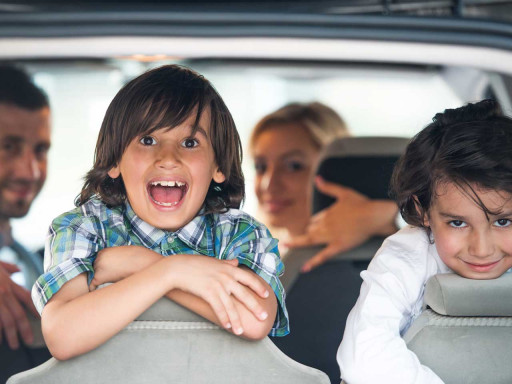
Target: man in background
(24, 144)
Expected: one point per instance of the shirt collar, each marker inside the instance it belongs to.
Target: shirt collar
(197, 234)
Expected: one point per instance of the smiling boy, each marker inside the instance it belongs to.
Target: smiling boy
(157, 217)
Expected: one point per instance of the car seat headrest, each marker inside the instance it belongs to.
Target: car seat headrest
(453, 295)
(361, 163)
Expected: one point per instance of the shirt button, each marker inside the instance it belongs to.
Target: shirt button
(170, 240)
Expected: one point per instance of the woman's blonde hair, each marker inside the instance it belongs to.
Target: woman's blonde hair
(322, 122)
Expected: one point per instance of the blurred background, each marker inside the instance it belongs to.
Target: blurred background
(386, 66)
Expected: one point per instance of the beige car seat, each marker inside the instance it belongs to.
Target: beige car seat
(465, 334)
(169, 344)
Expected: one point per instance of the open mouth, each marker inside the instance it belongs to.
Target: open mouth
(167, 193)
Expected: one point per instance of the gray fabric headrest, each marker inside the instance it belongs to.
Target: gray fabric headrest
(453, 295)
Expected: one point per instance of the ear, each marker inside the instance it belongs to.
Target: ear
(419, 210)
(218, 176)
(115, 172)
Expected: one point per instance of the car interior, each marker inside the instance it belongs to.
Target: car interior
(465, 332)
(320, 300)
(386, 67)
(201, 353)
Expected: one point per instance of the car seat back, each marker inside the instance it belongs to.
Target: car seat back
(170, 344)
(465, 334)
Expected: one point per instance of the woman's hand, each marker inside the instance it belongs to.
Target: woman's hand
(349, 222)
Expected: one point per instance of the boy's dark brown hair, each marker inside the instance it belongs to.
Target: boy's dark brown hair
(468, 146)
(163, 98)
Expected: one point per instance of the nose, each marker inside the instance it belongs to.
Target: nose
(167, 158)
(271, 180)
(27, 166)
(481, 244)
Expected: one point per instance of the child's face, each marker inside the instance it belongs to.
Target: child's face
(167, 174)
(466, 241)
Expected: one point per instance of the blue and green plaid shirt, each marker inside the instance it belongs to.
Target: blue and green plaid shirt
(77, 236)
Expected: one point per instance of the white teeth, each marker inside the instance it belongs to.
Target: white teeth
(165, 204)
(164, 183)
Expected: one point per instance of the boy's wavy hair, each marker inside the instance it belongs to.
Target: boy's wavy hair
(468, 146)
(164, 98)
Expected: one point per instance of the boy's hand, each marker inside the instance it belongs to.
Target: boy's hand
(116, 263)
(219, 283)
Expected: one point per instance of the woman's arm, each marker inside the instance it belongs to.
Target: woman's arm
(347, 223)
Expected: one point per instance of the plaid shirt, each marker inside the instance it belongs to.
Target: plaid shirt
(77, 236)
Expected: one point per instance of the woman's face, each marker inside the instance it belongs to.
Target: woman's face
(284, 158)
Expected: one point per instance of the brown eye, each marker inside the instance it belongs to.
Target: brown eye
(295, 166)
(11, 148)
(147, 140)
(260, 167)
(502, 222)
(190, 143)
(458, 224)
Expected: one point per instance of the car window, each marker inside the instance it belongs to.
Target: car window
(375, 100)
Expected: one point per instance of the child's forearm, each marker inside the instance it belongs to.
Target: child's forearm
(136, 258)
(75, 320)
(252, 327)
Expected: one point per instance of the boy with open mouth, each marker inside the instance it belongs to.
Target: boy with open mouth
(158, 216)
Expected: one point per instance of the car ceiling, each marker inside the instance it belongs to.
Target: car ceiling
(485, 9)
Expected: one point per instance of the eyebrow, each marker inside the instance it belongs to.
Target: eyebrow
(12, 138)
(451, 216)
(200, 130)
(20, 139)
(502, 214)
(295, 152)
(462, 218)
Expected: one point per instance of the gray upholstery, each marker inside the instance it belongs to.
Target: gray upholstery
(297, 257)
(169, 344)
(470, 346)
(365, 146)
(450, 294)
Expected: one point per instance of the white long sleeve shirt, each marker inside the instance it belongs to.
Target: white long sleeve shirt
(391, 297)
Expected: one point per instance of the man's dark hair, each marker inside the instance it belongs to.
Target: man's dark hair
(17, 88)
(469, 146)
(164, 98)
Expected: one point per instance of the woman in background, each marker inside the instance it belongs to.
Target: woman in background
(286, 145)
